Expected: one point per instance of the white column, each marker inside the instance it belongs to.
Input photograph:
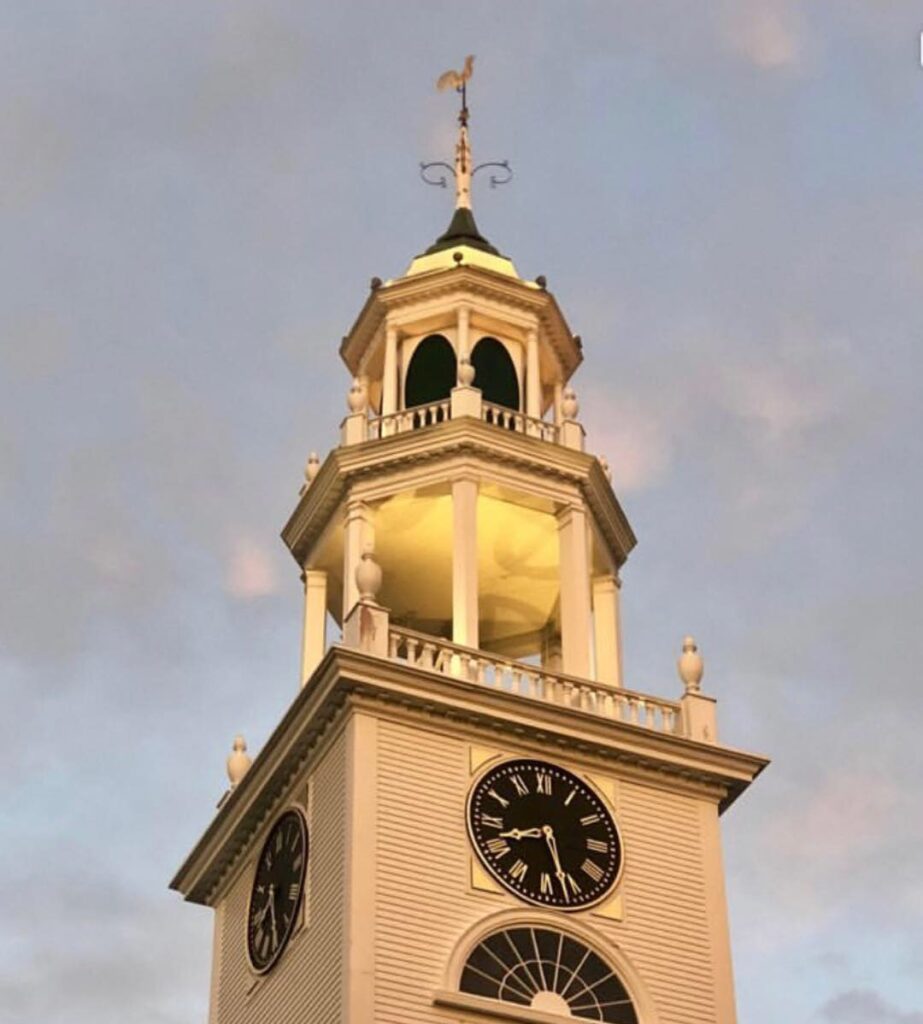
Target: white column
(389, 377)
(314, 637)
(465, 562)
(575, 591)
(356, 531)
(558, 396)
(533, 380)
(463, 344)
(607, 629)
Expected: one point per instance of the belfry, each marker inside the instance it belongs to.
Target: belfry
(466, 814)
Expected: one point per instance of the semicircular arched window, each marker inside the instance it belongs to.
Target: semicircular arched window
(431, 374)
(495, 374)
(544, 969)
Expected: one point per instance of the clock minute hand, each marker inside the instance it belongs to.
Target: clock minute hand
(523, 833)
(559, 872)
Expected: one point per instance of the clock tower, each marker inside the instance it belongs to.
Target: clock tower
(467, 814)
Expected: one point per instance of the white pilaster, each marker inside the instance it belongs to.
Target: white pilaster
(464, 333)
(607, 629)
(533, 380)
(356, 530)
(389, 378)
(575, 590)
(465, 562)
(314, 635)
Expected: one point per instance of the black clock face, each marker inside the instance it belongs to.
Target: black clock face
(544, 834)
(278, 886)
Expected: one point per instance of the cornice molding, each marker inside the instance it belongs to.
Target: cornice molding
(345, 466)
(468, 283)
(349, 679)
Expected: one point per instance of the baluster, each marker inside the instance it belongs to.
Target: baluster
(633, 710)
(427, 655)
(412, 644)
(535, 683)
(620, 705)
(393, 641)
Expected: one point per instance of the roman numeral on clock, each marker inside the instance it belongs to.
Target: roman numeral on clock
(543, 783)
(591, 868)
(597, 845)
(500, 800)
(498, 847)
(293, 891)
(490, 821)
(589, 819)
(545, 884)
(521, 788)
(518, 870)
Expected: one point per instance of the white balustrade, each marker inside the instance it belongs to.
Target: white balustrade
(533, 681)
(438, 412)
(510, 419)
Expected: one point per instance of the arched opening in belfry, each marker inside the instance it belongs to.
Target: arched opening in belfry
(495, 374)
(432, 372)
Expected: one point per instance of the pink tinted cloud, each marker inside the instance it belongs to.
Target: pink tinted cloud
(250, 572)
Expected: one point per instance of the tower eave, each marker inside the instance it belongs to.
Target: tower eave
(470, 282)
(348, 678)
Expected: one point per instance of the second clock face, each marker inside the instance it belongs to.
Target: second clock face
(544, 834)
(278, 885)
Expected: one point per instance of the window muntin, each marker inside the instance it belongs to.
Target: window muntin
(543, 968)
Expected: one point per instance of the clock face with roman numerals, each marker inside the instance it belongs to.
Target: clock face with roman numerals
(544, 834)
(278, 886)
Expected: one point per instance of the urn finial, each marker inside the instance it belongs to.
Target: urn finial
(357, 397)
(690, 665)
(569, 404)
(239, 761)
(465, 372)
(368, 575)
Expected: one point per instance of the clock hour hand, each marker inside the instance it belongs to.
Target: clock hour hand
(559, 873)
(522, 833)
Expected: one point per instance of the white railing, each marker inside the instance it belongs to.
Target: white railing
(410, 419)
(533, 681)
(509, 419)
(438, 412)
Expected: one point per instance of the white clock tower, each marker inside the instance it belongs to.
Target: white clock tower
(466, 815)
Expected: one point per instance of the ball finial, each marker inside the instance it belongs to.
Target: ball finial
(239, 761)
(690, 665)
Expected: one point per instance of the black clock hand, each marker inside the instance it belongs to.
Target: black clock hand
(272, 907)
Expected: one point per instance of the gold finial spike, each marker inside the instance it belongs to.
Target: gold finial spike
(458, 80)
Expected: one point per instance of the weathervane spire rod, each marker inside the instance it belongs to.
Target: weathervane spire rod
(458, 80)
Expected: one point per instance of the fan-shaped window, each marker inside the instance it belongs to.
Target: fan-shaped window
(431, 374)
(546, 970)
(495, 374)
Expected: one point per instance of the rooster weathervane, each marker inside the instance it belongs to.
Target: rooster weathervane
(462, 171)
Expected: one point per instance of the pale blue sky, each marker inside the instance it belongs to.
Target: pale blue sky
(725, 198)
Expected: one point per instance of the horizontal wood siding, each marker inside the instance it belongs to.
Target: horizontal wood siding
(307, 984)
(425, 902)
